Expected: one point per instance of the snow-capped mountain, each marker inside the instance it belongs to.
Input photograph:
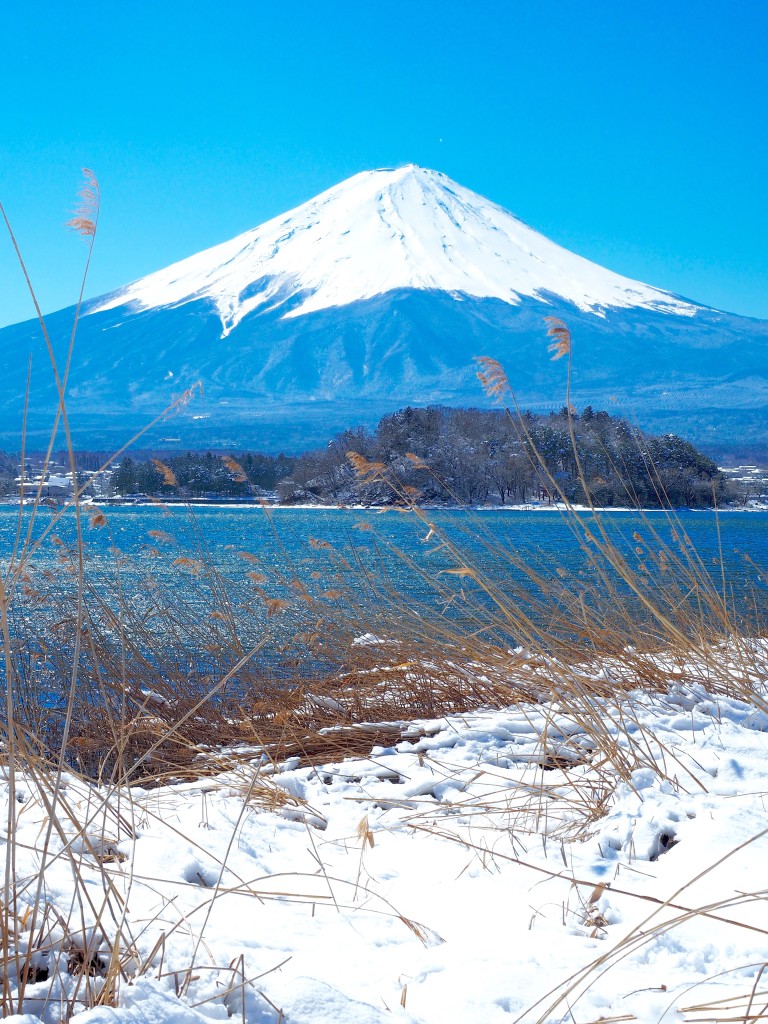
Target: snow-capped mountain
(378, 232)
(374, 295)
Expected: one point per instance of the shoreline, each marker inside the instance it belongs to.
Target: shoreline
(124, 503)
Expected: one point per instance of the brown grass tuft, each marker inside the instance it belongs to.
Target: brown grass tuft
(366, 471)
(236, 470)
(97, 517)
(169, 477)
(493, 378)
(86, 215)
(162, 536)
(558, 330)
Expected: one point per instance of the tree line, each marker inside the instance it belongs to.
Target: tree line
(202, 475)
(439, 455)
(478, 456)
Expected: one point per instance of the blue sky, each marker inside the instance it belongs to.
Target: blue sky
(635, 134)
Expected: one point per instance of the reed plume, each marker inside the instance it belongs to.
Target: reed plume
(558, 330)
(86, 214)
(169, 477)
(365, 470)
(493, 378)
(235, 469)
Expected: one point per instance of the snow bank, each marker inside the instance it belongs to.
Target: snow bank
(496, 869)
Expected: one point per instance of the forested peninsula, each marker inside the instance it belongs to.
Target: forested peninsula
(443, 456)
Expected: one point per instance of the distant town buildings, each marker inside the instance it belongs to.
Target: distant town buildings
(52, 480)
(749, 483)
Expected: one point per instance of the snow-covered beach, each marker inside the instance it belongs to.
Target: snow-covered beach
(493, 866)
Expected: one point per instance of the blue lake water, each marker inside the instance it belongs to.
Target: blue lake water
(325, 547)
(390, 573)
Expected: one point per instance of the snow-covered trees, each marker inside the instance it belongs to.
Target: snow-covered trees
(457, 456)
(474, 456)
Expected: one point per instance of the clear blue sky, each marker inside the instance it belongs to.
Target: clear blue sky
(634, 133)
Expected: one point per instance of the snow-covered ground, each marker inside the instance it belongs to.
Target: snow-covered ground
(489, 868)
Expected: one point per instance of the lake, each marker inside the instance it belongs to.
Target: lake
(366, 552)
(173, 599)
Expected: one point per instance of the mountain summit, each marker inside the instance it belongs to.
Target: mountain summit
(377, 294)
(381, 231)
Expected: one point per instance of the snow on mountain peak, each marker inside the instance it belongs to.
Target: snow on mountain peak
(382, 230)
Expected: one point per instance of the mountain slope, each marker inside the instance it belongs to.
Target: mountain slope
(377, 294)
(383, 231)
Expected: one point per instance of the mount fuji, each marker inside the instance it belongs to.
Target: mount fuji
(374, 295)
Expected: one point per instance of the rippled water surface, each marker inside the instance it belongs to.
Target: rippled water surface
(381, 571)
(293, 542)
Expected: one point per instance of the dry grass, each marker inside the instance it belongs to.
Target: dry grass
(124, 692)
